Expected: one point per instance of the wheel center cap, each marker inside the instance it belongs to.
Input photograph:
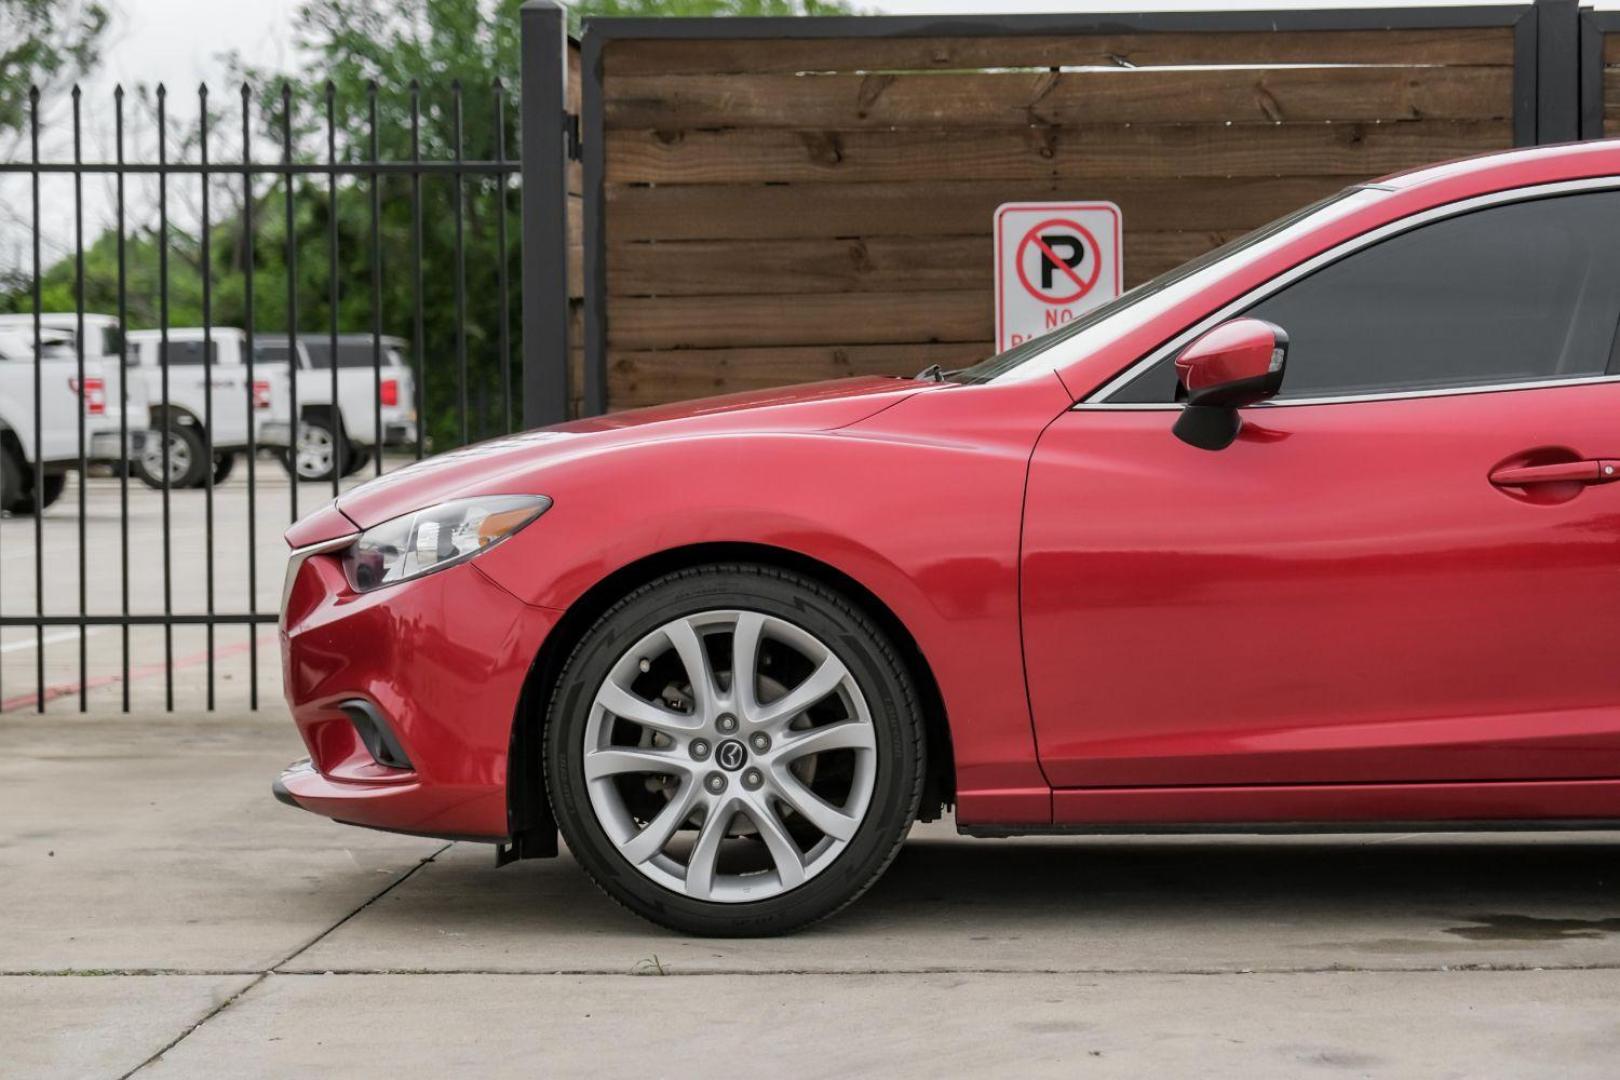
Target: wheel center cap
(731, 755)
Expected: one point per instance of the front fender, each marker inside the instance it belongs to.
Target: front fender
(928, 525)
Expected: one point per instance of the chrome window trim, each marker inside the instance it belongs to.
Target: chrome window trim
(1098, 399)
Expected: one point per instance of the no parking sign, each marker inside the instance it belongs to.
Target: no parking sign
(1053, 262)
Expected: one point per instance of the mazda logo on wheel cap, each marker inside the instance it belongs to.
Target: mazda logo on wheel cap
(730, 755)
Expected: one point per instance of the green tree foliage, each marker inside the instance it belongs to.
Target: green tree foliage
(403, 59)
(47, 43)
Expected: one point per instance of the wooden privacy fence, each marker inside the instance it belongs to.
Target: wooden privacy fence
(767, 201)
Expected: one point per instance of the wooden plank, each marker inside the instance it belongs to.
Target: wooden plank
(575, 222)
(827, 319)
(652, 378)
(1114, 95)
(1480, 46)
(876, 264)
(1090, 152)
(1611, 86)
(576, 380)
(698, 212)
(791, 267)
(573, 91)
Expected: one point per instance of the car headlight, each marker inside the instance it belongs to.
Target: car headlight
(440, 536)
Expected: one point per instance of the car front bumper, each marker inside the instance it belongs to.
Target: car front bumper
(426, 676)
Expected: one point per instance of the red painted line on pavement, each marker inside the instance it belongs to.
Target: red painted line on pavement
(136, 674)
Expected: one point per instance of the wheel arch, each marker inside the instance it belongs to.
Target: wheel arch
(528, 805)
(323, 411)
(178, 414)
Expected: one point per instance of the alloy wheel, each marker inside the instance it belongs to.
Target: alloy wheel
(315, 451)
(730, 756)
(179, 459)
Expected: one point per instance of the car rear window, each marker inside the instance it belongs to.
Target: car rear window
(350, 354)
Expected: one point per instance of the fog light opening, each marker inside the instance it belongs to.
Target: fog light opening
(375, 734)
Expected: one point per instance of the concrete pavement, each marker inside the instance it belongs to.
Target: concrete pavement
(162, 914)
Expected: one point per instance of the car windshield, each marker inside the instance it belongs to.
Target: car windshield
(1019, 356)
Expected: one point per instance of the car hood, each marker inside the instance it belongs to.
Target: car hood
(483, 467)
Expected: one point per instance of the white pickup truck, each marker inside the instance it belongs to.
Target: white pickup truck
(227, 382)
(343, 443)
(62, 398)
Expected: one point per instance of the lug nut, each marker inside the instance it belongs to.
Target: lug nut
(760, 741)
(727, 723)
(752, 779)
(700, 749)
(716, 783)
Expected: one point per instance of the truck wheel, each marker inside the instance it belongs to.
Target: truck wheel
(359, 457)
(14, 484)
(186, 457)
(317, 453)
(17, 484)
(223, 464)
(54, 486)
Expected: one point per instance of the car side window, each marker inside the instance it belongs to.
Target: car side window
(1521, 292)
(188, 353)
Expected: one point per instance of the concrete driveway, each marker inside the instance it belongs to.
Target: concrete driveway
(162, 915)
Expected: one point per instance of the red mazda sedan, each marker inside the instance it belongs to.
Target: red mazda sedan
(1311, 533)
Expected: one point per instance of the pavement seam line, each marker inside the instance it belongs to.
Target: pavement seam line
(297, 952)
(669, 970)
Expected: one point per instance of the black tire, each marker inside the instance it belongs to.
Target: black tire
(878, 672)
(55, 484)
(223, 464)
(358, 458)
(17, 484)
(187, 440)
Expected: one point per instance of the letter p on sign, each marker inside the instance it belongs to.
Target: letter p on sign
(1054, 261)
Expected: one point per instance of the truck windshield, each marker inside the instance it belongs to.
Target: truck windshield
(1019, 355)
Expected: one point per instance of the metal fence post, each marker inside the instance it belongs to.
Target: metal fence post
(1591, 73)
(1558, 79)
(545, 213)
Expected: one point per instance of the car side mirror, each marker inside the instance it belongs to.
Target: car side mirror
(1238, 363)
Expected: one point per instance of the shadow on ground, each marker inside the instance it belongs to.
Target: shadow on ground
(1211, 903)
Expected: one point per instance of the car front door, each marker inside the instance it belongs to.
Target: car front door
(1361, 588)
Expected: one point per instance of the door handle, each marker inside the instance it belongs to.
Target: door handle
(1596, 471)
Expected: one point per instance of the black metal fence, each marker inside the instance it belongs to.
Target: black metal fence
(392, 193)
